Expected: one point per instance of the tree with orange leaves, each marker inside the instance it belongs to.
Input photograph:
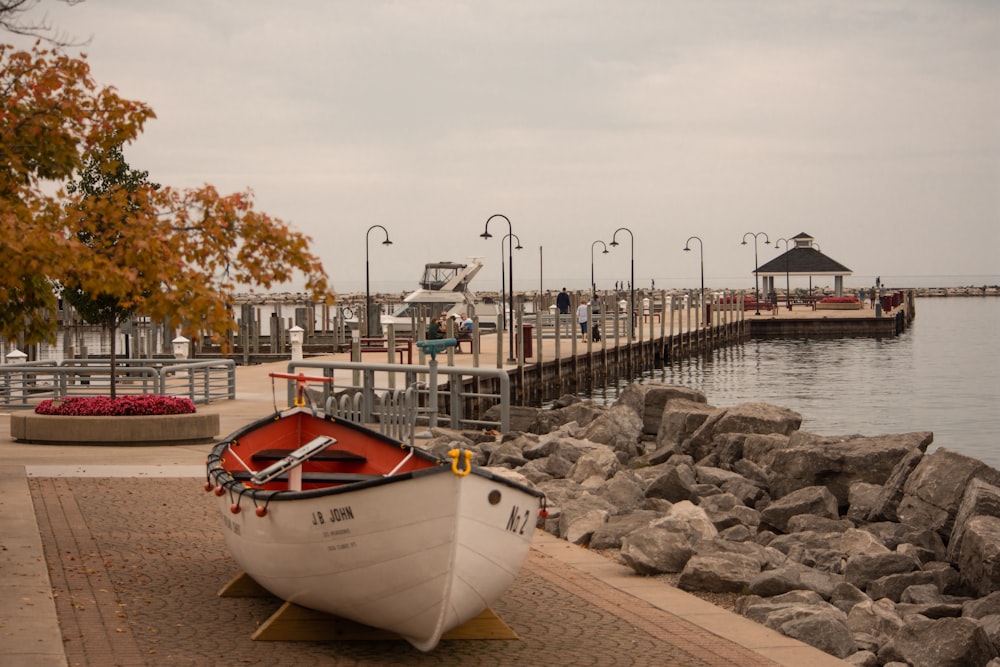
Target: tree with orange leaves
(176, 255)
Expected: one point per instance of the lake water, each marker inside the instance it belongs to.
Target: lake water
(941, 375)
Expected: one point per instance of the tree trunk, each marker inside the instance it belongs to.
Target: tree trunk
(113, 329)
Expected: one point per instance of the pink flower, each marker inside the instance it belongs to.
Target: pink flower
(105, 406)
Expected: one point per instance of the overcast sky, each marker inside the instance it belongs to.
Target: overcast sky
(872, 125)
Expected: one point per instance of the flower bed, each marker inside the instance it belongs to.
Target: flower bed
(128, 420)
(121, 406)
(838, 303)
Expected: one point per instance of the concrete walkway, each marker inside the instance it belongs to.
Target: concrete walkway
(111, 556)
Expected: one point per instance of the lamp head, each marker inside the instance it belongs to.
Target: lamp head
(686, 248)
(486, 235)
(387, 242)
(613, 242)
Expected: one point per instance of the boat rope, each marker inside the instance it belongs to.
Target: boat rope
(455, 454)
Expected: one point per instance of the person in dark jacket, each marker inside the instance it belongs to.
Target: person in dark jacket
(562, 302)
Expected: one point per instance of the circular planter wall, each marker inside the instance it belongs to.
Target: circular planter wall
(185, 429)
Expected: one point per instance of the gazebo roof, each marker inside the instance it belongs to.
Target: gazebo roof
(803, 260)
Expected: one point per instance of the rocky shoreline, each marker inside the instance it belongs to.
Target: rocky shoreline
(865, 547)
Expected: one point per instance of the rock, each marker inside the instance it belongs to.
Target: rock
(837, 463)
(649, 401)
(891, 586)
(790, 577)
(947, 642)
(877, 618)
(609, 536)
(862, 658)
(988, 605)
(855, 541)
(809, 500)
(884, 507)
(818, 524)
(594, 467)
(760, 448)
(861, 499)
(619, 428)
(862, 569)
(744, 418)
(816, 623)
(718, 573)
(978, 559)
(679, 419)
(676, 483)
(579, 529)
(546, 421)
(844, 596)
(655, 550)
(934, 490)
(980, 498)
(625, 491)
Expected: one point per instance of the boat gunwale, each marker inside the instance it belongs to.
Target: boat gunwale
(222, 477)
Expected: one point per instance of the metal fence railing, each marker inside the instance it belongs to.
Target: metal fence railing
(401, 397)
(27, 384)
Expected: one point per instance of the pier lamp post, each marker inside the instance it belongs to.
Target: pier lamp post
(509, 239)
(701, 254)
(368, 290)
(593, 285)
(756, 288)
(510, 276)
(631, 284)
(788, 291)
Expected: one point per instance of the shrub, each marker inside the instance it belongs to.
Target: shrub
(122, 406)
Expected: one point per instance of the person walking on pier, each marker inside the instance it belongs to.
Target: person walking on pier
(562, 302)
(583, 317)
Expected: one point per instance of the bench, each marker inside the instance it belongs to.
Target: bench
(382, 345)
(463, 338)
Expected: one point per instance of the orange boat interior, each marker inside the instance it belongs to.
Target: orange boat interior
(356, 455)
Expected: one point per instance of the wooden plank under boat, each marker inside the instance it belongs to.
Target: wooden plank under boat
(333, 516)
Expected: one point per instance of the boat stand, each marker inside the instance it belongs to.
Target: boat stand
(294, 623)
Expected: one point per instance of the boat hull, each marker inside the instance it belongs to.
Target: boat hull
(417, 553)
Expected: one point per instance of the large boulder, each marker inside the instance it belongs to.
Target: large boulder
(934, 490)
(679, 419)
(946, 642)
(980, 499)
(885, 503)
(811, 500)
(619, 428)
(718, 572)
(978, 559)
(649, 400)
(745, 418)
(838, 462)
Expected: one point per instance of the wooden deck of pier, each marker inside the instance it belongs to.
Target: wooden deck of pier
(550, 365)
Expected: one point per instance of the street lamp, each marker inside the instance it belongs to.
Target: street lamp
(510, 275)
(593, 285)
(368, 291)
(701, 253)
(509, 239)
(614, 242)
(767, 241)
(788, 291)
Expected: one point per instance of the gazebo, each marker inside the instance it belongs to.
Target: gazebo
(804, 259)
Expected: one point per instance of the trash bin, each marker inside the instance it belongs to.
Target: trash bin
(886, 304)
(526, 330)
